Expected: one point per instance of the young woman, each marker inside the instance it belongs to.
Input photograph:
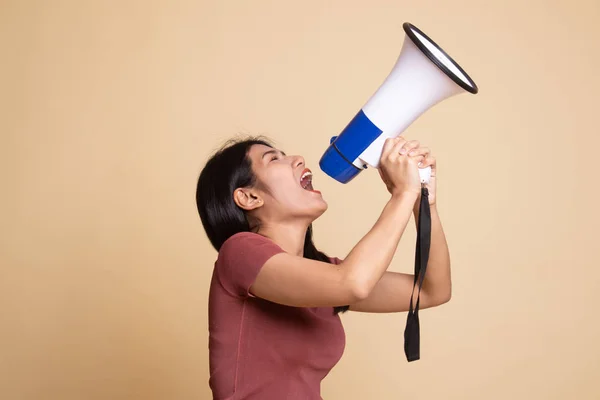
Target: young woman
(274, 328)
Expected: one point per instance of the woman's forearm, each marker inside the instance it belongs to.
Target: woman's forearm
(438, 282)
(370, 258)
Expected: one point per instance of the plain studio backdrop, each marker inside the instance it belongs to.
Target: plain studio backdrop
(109, 109)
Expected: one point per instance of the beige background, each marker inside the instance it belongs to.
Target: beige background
(108, 110)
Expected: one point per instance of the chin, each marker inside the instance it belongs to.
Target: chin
(315, 209)
(323, 207)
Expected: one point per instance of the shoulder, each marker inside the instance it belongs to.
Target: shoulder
(242, 241)
(246, 235)
(240, 259)
(245, 246)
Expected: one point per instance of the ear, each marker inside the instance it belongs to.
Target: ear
(247, 199)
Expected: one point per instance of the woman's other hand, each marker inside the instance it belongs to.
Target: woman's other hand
(397, 169)
(423, 154)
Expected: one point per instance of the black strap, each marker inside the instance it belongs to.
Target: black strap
(412, 330)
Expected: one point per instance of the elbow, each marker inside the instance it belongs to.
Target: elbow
(358, 286)
(438, 300)
(442, 292)
(449, 293)
(439, 296)
(359, 291)
(445, 296)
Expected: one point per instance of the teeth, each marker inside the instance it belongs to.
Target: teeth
(307, 174)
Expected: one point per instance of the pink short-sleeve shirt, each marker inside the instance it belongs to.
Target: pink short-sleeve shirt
(259, 349)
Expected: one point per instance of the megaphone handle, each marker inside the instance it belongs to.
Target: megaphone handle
(425, 174)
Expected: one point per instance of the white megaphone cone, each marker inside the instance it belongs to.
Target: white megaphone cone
(423, 76)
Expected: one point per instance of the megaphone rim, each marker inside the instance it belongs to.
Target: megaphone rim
(408, 29)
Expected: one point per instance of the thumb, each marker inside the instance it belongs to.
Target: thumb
(383, 177)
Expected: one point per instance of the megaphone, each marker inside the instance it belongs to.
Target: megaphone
(423, 76)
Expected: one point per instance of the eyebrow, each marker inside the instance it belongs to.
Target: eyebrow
(273, 151)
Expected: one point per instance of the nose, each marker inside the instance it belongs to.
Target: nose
(298, 161)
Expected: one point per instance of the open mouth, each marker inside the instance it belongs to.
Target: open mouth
(306, 180)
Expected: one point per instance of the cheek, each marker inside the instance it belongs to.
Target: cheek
(282, 186)
(286, 192)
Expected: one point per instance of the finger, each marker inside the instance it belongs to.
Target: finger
(418, 160)
(395, 152)
(388, 146)
(429, 161)
(420, 151)
(409, 146)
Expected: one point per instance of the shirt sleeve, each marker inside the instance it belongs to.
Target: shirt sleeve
(240, 259)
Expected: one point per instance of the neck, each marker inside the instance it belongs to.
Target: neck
(290, 237)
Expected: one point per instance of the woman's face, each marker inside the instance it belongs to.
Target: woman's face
(284, 185)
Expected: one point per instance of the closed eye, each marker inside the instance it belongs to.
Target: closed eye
(275, 154)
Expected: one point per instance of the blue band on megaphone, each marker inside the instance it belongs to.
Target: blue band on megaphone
(359, 134)
(337, 161)
(338, 167)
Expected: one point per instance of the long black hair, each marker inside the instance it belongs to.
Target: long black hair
(226, 170)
